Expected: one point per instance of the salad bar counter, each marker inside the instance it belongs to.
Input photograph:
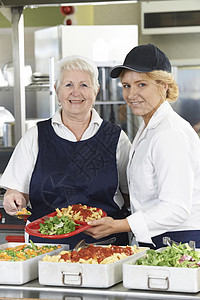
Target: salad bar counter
(169, 273)
(34, 290)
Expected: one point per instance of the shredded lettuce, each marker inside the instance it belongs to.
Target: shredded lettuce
(181, 256)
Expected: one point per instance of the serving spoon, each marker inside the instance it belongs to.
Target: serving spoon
(82, 244)
(21, 217)
(167, 241)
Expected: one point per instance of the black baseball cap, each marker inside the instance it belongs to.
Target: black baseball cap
(143, 58)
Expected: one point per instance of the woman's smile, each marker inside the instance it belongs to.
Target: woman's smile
(76, 101)
(135, 103)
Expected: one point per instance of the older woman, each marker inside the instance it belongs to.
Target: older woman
(164, 164)
(74, 157)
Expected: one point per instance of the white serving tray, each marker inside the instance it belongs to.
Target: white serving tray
(169, 279)
(20, 272)
(82, 275)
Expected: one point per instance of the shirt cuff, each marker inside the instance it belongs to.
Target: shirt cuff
(139, 227)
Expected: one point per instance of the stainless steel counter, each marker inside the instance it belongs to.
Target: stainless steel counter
(34, 290)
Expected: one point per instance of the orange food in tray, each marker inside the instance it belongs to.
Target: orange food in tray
(23, 211)
(25, 251)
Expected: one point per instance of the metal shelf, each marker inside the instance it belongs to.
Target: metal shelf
(30, 87)
(6, 88)
(37, 87)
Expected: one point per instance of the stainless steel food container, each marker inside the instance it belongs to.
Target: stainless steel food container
(168, 279)
(9, 134)
(20, 272)
(9, 131)
(82, 275)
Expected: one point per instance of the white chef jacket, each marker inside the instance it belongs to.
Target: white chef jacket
(164, 176)
(18, 172)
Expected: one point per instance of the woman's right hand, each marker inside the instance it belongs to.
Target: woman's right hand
(106, 226)
(14, 201)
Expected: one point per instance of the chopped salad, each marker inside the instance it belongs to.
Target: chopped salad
(180, 256)
(57, 225)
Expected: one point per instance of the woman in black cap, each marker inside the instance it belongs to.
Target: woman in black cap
(164, 162)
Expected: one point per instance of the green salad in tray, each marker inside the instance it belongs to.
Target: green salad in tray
(57, 225)
(180, 256)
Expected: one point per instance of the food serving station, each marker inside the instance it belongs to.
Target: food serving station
(101, 271)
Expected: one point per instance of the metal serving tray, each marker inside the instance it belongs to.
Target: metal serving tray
(82, 275)
(20, 272)
(169, 279)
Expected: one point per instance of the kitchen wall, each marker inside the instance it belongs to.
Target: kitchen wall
(177, 46)
(43, 17)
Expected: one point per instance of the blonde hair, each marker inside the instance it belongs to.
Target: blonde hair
(163, 77)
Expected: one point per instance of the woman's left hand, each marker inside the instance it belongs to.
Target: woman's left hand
(106, 226)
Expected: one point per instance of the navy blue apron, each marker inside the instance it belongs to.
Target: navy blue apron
(69, 173)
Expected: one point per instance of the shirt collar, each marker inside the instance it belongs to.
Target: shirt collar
(96, 119)
(163, 110)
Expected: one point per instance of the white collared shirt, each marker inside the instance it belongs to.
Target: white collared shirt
(18, 172)
(164, 176)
